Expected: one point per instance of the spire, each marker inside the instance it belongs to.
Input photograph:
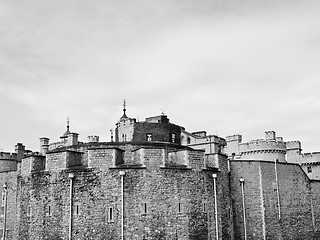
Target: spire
(124, 116)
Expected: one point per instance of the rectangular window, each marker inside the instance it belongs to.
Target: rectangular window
(49, 210)
(144, 208)
(29, 213)
(204, 207)
(77, 209)
(309, 168)
(110, 215)
(179, 208)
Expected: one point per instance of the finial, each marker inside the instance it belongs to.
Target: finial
(124, 106)
(68, 123)
(124, 109)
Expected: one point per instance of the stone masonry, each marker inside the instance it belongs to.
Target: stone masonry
(155, 180)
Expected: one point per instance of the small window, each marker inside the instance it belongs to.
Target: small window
(309, 168)
(49, 210)
(188, 140)
(144, 208)
(77, 209)
(173, 137)
(110, 215)
(29, 213)
(149, 137)
(179, 207)
(204, 207)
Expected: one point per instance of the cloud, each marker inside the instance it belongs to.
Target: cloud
(228, 66)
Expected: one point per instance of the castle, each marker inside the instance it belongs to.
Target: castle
(155, 180)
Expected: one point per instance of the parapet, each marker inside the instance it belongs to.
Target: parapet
(310, 157)
(8, 162)
(158, 119)
(237, 138)
(8, 156)
(293, 145)
(200, 134)
(93, 139)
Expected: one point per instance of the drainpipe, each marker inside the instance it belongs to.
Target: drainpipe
(277, 185)
(71, 177)
(243, 208)
(4, 204)
(214, 175)
(122, 173)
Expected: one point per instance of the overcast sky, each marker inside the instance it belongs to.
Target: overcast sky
(227, 67)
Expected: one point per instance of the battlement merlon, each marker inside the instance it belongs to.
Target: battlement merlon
(293, 145)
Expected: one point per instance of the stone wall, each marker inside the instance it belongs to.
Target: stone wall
(277, 201)
(12, 223)
(161, 201)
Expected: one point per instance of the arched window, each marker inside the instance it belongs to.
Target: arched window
(149, 137)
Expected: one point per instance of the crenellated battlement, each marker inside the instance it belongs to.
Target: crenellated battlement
(310, 157)
(8, 156)
(261, 145)
(293, 145)
(111, 155)
(93, 139)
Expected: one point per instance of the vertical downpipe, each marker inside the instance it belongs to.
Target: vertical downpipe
(122, 173)
(277, 185)
(4, 211)
(214, 175)
(71, 177)
(243, 208)
(312, 214)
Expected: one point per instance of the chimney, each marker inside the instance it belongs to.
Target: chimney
(72, 139)
(44, 145)
(19, 149)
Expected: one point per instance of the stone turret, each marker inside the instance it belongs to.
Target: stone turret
(267, 149)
